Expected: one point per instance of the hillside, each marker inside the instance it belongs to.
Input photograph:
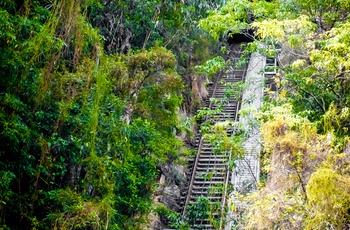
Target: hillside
(99, 101)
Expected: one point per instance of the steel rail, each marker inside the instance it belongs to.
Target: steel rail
(199, 151)
(220, 171)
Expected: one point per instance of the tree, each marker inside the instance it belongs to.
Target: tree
(69, 157)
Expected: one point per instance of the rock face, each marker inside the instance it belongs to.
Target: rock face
(199, 90)
(171, 181)
(170, 196)
(173, 178)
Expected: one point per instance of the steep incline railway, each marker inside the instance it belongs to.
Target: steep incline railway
(210, 173)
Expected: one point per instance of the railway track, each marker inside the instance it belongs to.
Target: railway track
(210, 174)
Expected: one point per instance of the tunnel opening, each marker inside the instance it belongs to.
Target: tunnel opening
(245, 36)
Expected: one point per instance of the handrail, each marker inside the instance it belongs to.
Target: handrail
(193, 176)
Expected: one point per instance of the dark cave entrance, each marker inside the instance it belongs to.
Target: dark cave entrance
(245, 36)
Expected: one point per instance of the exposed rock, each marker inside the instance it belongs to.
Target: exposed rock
(179, 174)
(198, 88)
(170, 196)
(162, 180)
(171, 182)
(157, 222)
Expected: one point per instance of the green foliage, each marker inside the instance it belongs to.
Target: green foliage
(335, 120)
(174, 218)
(231, 18)
(236, 16)
(222, 142)
(6, 193)
(212, 66)
(329, 200)
(128, 26)
(197, 210)
(234, 90)
(302, 170)
(306, 123)
(81, 213)
(82, 132)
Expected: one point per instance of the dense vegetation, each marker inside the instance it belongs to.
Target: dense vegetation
(305, 123)
(90, 93)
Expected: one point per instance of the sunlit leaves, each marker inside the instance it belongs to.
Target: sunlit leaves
(236, 16)
(265, 9)
(212, 66)
(329, 199)
(231, 18)
(333, 55)
(327, 12)
(310, 123)
(283, 29)
(298, 63)
(278, 121)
